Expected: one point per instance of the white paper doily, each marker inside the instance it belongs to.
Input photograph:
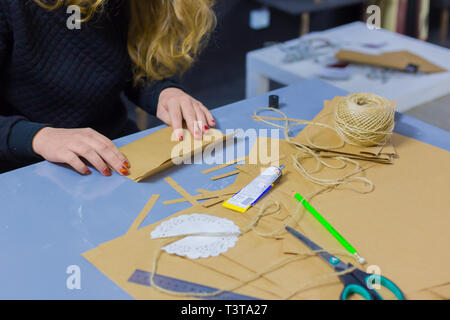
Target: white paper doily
(195, 247)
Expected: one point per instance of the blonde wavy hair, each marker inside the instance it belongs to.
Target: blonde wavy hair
(164, 36)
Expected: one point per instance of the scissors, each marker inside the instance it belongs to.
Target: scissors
(356, 281)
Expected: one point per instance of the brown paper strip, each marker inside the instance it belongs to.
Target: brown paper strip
(224, 165)
(196, 197)
(225, 175)
(214, 201)
(181, 191)
(148, 206)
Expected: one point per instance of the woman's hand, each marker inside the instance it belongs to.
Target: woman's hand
(174, 105)
(69, 145)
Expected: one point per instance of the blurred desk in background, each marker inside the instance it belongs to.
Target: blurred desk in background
(288, 63)
(303, 8)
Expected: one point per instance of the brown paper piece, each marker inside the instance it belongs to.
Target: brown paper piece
(197, 197)
(221, 176)
(148, 206)
(443, 291)
(224, 165)
(146, 162)
(395, 60)
(402, 196)
(181, 191)
(118, 258)
(400, 227)
(213, 201)
(423, 295)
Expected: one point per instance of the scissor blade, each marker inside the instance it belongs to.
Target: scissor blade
(302, 238)
(313, 246)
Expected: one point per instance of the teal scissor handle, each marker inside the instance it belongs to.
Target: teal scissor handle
(352, 289)
(365, 292)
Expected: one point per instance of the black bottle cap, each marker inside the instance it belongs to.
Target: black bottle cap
(274, 101)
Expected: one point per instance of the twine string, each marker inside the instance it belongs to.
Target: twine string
(361, 119)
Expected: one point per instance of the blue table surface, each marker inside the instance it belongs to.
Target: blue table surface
(50, 215)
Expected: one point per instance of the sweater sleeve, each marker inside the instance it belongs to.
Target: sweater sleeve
(147, 97)
(16, 133)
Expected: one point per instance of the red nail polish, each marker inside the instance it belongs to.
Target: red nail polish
(126, 164)
(206, 127)
(88, 172)
(106, 172)
(124, 171)
(181, 138)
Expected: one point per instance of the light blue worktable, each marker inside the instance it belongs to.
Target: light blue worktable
(50, 215)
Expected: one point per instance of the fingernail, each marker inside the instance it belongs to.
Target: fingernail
(106, 172)
(88, 172)
(181, 138)
(206, 128)
(126, 164)
(213, 122)
(124, 171)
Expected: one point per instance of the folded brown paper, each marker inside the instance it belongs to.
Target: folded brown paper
(399, 60)
(156, 152)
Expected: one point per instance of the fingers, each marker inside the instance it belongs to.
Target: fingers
(190, 117)
(100, 152)
(115, 160)
(201, 118)
(208, 115)
(72, 159)
(89, 153)
(162, 113)
(113, 155)
(174, 106)
(176, 119)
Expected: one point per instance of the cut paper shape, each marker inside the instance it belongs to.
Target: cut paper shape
(399, 60)
(224, 235)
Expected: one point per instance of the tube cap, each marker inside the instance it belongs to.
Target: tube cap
(274, 101)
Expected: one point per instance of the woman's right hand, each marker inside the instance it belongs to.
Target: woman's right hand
(69, 145)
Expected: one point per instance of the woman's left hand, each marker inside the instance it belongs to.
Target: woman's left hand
(174, 105)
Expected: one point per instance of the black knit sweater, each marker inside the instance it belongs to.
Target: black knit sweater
(51, 75)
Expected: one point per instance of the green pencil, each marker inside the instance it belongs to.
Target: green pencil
(329, 227)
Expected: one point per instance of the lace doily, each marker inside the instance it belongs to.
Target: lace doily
(202, 246)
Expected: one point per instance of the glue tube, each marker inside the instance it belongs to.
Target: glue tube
(245, 198)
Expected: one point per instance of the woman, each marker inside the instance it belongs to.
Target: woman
(62, 88)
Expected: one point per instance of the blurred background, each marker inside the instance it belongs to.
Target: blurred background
(219, 75)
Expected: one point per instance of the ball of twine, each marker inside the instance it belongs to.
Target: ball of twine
(364, 119)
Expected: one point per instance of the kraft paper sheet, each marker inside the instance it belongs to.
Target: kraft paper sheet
(401, 227)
